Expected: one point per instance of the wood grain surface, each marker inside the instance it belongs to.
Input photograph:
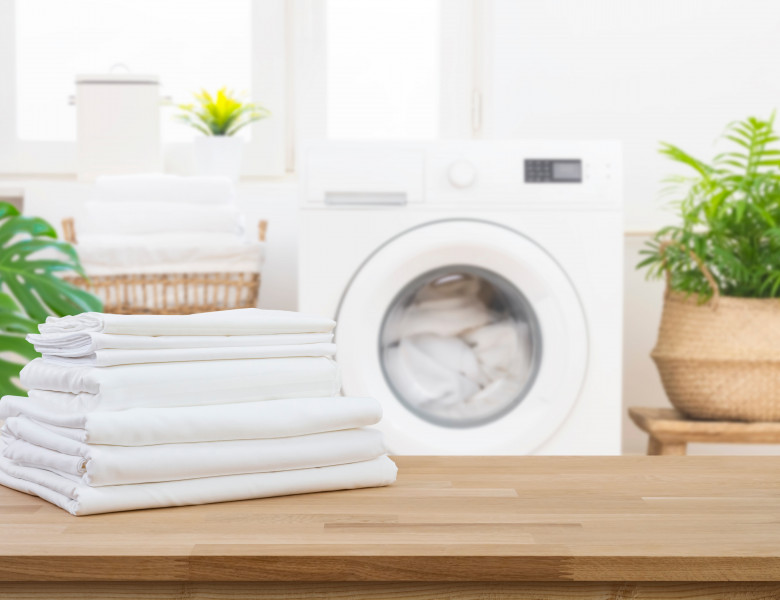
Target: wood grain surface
(447, 519)
(392, 591)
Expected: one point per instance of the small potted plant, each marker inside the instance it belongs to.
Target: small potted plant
(718, 349)
(219, 117)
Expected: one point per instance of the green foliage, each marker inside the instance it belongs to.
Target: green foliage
(31, 258)
(730, 213)
(221, 114)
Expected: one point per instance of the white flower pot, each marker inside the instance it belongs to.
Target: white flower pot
(219, 155)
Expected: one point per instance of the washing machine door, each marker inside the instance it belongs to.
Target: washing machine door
(471, 336)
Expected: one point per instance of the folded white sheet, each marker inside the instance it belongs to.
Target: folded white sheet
(88, 342)
(291, 379)
(110, 254)
(33, 445)
(185, 383)
(114, 357)
(80, 499)
(246, 421)
(140, 218)
(242, 321)
(155, 187)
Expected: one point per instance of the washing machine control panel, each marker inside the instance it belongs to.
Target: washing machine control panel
(468, 174)
(553, 171)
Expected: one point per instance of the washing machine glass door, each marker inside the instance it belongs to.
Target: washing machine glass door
(460, 346)
(469, 333)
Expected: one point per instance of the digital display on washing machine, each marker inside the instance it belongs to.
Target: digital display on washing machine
(553, 170)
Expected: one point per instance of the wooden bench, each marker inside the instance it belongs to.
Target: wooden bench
(670, 431)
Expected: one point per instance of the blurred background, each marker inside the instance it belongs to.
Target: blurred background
(74, 73)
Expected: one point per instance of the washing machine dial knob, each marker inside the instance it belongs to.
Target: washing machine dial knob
(462, 174)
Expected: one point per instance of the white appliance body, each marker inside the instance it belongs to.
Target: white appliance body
(380, 220)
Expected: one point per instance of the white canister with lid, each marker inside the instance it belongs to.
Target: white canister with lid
(118, 124)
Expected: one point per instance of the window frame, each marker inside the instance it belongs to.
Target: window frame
(461, 48)
(265, 155)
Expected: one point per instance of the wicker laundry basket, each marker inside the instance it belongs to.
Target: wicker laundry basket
(170, 293)
(721, 359)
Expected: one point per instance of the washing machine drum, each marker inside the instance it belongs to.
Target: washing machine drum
(469, 333)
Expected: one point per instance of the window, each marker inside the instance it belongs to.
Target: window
(383, 69)
(177, 40)
(188, 44)
(342, 69)
(388, 69)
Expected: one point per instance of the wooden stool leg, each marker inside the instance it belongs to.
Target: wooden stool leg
(656, 447)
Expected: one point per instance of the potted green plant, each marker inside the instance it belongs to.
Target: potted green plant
(219, 117)
(718, 349)
(32, 260)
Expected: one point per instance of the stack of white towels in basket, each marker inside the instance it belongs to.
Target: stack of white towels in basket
(140, 411)
(151, 224)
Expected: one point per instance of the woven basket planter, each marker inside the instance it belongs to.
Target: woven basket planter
(721, 359)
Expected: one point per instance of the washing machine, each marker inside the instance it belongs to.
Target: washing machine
(477, 287)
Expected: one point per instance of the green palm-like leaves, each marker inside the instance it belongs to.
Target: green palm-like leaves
(221, 114)
(730, 217)
(31, 260)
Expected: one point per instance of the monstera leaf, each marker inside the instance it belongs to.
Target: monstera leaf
(31, 262)
(14, 349)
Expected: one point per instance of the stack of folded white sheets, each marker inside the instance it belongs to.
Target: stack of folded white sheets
(147, 224)
(134, 411)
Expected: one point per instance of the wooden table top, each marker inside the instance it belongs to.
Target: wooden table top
(631, 518)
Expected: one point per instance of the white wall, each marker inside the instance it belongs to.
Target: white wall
(639, 71)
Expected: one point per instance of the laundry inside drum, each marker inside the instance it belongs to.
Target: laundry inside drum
(460, 346)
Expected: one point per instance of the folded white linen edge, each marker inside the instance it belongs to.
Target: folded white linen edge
(241, 321)
(85, 343)
(247, 421)
(183, 383)
(156, 187)
(322, 381)
(197, 290)
(32, 445)
(79, 499)
(116, 357)
(140, 254)
(120, 250)
(128, 219)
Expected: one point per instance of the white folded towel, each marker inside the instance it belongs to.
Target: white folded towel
(155, 188)
(187, 383)
(80, 499)
(110, 254)
(242, 321)
(114, 357)
(88, 342)
(33, 445)
(246, 421)
(141, 218)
